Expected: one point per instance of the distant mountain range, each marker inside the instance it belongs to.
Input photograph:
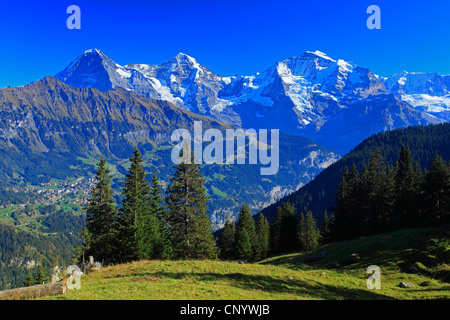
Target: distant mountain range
(333, 102)
(59, 126)
(51, 130)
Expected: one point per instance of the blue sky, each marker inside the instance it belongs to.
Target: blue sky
(229, 37)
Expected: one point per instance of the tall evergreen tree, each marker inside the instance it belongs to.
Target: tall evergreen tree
(301, 230)
(190, 228)
(284, 229)
(244, 246)
(288, 236)
(436, 193)
(137, 224)
(376, 197)
(407, 187)
(41, 276)
(347, 205)
(162, 246)
(310, 235)
(275, 231)
(387, 216)
(263, 236)
(325, 228)
(246, 240)
(227, 241)
(29, 280)
(101, 217)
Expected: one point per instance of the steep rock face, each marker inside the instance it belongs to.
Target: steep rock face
(181, 80)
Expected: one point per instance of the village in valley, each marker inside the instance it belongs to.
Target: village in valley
(43, 199)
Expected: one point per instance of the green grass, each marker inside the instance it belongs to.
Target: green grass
(280, 277)
(219, 193)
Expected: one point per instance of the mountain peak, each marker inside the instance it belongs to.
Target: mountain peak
(89, 70)
(318, 53)
(93, 51)
(183, 58)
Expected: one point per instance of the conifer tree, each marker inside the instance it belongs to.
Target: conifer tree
(246, 241)
(376, 195)
(41, 276)
(275, 231)
(407, 187)
(227, 241)
(347, 205)
(190, 227)
(388, 215)
(309, 233)
(163, 249)
(204, 243)
(29, 280)
(288, 236)
(80, 252)
(284, 229)
(325, 228)
(137, 224)
(244, 246)
(263, 236)
(436, 193)
(101, 217)
(301, 230)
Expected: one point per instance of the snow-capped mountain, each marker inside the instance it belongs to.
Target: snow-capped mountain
(427, 92)
(181, 80)
(311, 95)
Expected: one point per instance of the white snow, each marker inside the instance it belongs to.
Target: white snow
(124, 74)
(432, 104)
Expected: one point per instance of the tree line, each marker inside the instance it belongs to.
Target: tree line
(148, 225)
(385, 198)
(252, 240)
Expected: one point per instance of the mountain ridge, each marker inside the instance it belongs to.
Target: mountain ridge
(299, 95)
(51, 130)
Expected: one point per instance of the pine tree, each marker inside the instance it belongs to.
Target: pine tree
(244, 246)
(41, 276)
(137, 225)
(263, 236)
(190, 228)
(386, 220)
(407, 187)
(246, 232)
(284, 229)
(204, 243)
(227, 241)
(376, 195)
(163, 249)
(325, 228)
(436, 193)
(275, 231)
(288, 236)
(301, 230)
(347, 205)
(309, 233)
(29, 280)
(80, 252)
(101, 217)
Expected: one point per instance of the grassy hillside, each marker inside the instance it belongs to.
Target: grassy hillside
(286, 277)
